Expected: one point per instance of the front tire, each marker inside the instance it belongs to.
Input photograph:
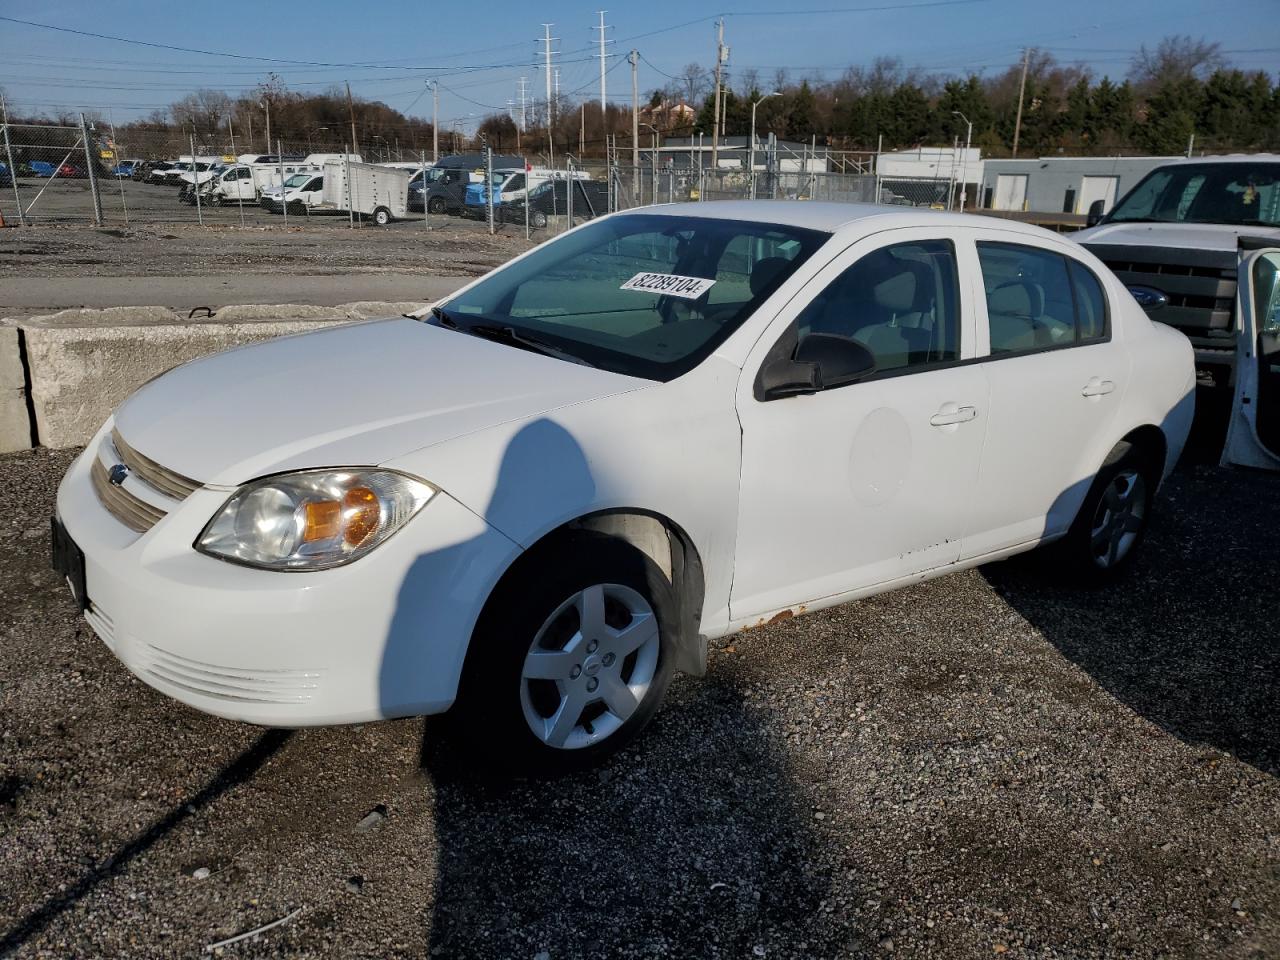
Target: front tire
(436, 205)
(382, 216)
(571, 658)
(538, 219)
(1112, 522)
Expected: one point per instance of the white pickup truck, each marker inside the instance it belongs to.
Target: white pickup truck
(1197, 242)
(1173, 240)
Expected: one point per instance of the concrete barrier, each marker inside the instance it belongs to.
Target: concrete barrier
(15, 420)
(81, 364)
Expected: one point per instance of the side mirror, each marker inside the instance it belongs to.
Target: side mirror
(1095, 214)
(784, 377)
(820, 361)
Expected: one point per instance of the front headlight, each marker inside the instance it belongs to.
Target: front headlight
(312, 520)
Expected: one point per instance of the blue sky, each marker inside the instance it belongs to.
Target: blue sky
(478, 52)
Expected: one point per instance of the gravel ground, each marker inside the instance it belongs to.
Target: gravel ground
(319, 246)
(987, 764)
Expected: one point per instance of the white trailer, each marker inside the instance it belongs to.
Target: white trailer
(366, 189)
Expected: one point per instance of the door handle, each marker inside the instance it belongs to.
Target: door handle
(1097, 387)
(952, 414)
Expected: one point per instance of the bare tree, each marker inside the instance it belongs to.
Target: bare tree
(696, 82)
(1176, 58)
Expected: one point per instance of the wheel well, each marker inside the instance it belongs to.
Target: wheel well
(1151, 441)
(665, 543)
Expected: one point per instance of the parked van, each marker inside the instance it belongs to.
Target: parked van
(512, 185)
(445, 187)
(301, 193)
(551, 199)
(249, 180)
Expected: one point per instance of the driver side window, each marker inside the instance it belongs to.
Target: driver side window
(901, 302)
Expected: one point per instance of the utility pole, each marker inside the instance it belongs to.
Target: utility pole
(351, 109)
(715, 120)
(1022, 89)
(604, 101)
(524, 87)
(634, 57)
(964, 161)
(547, 40)
(435, 122)
(266, 103)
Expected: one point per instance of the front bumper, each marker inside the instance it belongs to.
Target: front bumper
(382, 637)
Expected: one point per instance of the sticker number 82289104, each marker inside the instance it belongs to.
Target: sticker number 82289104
(670, 284)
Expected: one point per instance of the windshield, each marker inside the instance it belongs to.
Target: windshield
(297, 180)
(1231, 193)
(639, 294)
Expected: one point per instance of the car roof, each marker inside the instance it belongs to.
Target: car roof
(1226, 158)
(835, 217)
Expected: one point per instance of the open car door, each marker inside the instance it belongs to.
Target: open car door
(1253, 434)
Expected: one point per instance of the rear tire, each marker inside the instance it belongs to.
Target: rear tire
(1112, 522)
(382, 216)
(570, 660)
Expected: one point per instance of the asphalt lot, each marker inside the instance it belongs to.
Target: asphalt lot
(990, 764)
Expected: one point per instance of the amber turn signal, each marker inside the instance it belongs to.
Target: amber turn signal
(322, 520)
(361, 514)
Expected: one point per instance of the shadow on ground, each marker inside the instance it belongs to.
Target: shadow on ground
(693, 836)
(1190, 639)
(239, 771)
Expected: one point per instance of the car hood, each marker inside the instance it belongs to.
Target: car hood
(1186, 236)
(352, 395)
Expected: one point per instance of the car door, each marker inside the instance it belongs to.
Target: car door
(1056, 379)
(869, 482)
(1253, 436)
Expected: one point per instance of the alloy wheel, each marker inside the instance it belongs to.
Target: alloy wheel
(590, 666)
(1118, 520)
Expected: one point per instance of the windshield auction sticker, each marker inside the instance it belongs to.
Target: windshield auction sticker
(670, 284)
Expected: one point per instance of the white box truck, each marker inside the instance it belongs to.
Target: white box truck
(366, 189)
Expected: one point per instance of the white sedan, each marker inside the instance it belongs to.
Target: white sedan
(541, 498)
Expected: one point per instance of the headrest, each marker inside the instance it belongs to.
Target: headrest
(1017, 298)
(765, 272)
(897, 294)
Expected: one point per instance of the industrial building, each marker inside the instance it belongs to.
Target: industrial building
(1062, 184)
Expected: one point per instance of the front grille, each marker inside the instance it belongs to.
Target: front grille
(1200, 285)
(1168, 269)
(120, 503)
(230, 683)
(171, 484)
(138, 513)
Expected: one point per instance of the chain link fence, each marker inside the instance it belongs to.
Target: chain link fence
(83, 174)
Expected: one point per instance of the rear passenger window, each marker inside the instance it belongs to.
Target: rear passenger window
(1091, 304)
(1037, 299)
(900, 302)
